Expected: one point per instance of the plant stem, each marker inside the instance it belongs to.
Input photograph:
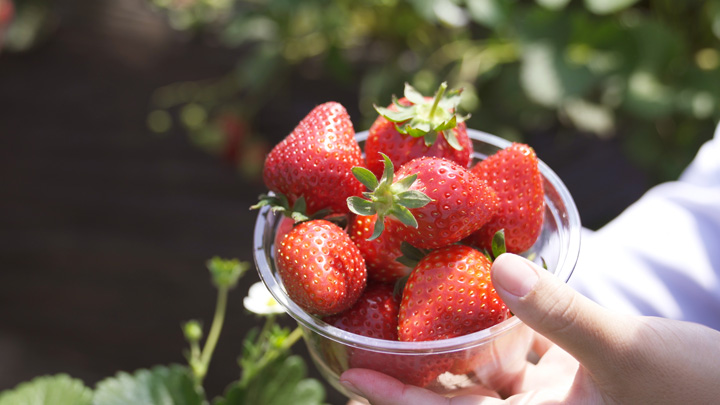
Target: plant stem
(270, 354)
(293, 337)
(215, 329)
(438, 97)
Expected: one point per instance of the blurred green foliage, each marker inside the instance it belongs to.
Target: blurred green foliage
(645, 71)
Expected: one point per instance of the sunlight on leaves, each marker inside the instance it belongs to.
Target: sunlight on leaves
(590, 117)
(553, 4)
(608, 6)
(539, 76)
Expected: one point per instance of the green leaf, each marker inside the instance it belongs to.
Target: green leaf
(274, 201)
(360, 206)
(408, 130)
(404, 184)
(410, 255)
(388, 171)
(449, 124)
(452, 139)
(400, 115)
(378, 228)
(430, 138)
(300, 206)
(399, 287)
(365, 176)
(59, 389)
(403, 215)
(167, 385)
(281, 382)
(498, 243)
(413, 199)
(413, 95)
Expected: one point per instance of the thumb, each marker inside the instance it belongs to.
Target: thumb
(578, 325)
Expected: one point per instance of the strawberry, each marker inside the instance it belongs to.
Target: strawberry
(418, 370)
(416, 126)
(449, 294)
(381, 253)
(375, 314)
(515, 176)
(321, 268)
(315, 160)
(430, 202)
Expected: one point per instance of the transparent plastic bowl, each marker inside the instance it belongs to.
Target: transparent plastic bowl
(480, 361)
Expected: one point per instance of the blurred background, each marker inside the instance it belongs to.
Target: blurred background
(132, 136)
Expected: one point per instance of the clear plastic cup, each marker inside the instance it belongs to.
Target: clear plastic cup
(486, 360)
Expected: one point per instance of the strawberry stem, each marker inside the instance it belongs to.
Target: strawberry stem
(436, 101)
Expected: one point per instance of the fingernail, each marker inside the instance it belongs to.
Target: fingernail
(514, 275)
(350, 387)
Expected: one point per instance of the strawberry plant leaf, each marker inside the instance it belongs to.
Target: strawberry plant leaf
(403, 215)
(413, 199)
(413, 95)
(279, 203)
(404, 184)
(498, 243)
(430, 138)
(412, 131)
(410, 255)
(378, 228)
(366, 177)
(172, 385)
(58, 389)
(281, 382)
(300, 205)
(400, 286)
(449, 124)
(451, 139)
(274, 201)
(388, 171)
(452, 99)
(360, 206)
(401, 115)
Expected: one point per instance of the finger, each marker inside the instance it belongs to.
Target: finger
(541, 344)
(584, 329)
(380, 389)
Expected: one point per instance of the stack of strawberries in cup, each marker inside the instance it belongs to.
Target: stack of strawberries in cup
(394, 240)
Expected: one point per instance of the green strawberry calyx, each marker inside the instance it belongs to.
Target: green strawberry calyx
(426, 118)
(279, 203)
(386, 198)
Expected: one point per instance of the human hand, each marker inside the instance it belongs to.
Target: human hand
(597, 356)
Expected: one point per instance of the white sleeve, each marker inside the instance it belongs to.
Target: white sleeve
(661, 256)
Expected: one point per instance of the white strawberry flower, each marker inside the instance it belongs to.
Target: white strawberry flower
(260, 301)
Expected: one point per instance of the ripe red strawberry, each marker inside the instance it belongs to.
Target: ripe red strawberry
(381, 253)
(416, 126)
(449, 294)
(515, 176)
(315, 160)
(375, 314)
(432, 202)
(321, 268)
